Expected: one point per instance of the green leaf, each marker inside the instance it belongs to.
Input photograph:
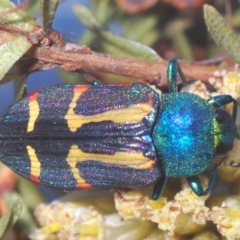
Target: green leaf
(87, 38)
(143, 27)
(25, 187)
(123, 46)
(102, 10)
(10, 53)
(86, 17)
(19, 87)
(10, 75)
(129, 48)
(222, 33)
(48, 9)
(18, 19)
(26, 220)
(175, 30)
(10, 217)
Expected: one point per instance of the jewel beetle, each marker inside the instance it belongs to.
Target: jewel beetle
(116, 136)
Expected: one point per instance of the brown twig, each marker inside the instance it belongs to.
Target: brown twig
(73, 57)
(84, 58)
(15, 9)
(11, 29)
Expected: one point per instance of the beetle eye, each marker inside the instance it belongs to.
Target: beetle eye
(222, 116)
(223, 148)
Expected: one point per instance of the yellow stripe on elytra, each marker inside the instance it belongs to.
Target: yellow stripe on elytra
(133, 113)
(134, 160)
(35, 165)
(34, 110)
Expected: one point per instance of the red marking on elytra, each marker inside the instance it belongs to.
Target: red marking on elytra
(33, 96)
(85, 186)
(81, 88)
(35, 179)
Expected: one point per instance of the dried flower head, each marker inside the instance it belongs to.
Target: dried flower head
(90, 219)
(227, 217)
(226, 82)
(198, 88)
(135, 204)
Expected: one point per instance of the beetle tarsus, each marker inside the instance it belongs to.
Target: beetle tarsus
(159, 187)
(196, 184)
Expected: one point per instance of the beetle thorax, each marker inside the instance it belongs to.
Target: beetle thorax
(184, 134)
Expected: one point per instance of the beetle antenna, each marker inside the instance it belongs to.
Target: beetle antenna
(182, 75)
(217, 165)
(238, 136)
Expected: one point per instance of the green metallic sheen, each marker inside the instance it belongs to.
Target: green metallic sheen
(184, 134)
(190, 132)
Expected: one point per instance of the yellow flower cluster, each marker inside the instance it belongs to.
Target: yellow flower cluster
(227, 217)
(198, 88)
(138, 217)
(185, 214)
(166, 214)
(94, 217)
(67, 221)
(226, 82)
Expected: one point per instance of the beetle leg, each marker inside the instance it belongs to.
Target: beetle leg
(172, 75)
(196, 184)
(159, 187)
(221, 100)
(172, 71)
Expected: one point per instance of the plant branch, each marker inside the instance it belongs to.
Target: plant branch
(45, 55)
(75, 58)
